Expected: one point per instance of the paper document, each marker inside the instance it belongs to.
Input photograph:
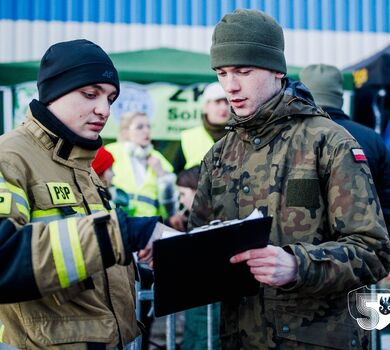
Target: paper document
(256, 214)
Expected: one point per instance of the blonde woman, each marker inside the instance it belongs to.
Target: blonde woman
(140, 170)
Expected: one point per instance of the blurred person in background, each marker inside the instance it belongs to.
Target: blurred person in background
(325, 83)
(195, 142)
(140, 170)
(147, 178)
(102, 164)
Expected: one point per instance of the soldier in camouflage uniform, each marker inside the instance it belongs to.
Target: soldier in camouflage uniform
(286, 157)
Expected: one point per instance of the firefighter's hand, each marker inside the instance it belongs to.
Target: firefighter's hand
(178, 221)
(145, 255)
(270, 265)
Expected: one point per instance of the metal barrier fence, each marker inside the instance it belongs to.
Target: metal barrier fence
(170, 323)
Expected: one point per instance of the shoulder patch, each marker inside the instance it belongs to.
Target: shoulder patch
(5, 203)
(358, 155)
(61, 193)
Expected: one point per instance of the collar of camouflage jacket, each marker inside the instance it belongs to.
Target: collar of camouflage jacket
(293, 100)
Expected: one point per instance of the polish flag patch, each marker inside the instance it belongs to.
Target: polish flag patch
(358, 155)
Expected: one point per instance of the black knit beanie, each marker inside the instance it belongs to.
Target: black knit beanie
(69, 65)
(248, 38)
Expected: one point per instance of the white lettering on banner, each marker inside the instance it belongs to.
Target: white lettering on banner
(171, 108)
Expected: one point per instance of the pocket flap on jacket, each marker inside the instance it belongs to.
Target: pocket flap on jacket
(335, 335)
(64, 331)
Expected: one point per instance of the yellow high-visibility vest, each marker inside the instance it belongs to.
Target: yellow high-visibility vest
(195, 143)
(144, 198)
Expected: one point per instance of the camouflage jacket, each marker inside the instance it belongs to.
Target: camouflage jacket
(294, 163)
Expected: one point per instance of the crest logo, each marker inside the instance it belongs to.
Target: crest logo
(384, 307)
(370, 307)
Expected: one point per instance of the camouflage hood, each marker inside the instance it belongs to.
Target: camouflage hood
(294, 99)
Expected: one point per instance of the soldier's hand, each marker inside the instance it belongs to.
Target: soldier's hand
(270, 265)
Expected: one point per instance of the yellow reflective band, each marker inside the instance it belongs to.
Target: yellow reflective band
(5, 203)
(50, 215)
(97, 207)
(61, 193)
(1, 332)
(76, 248)
(57, 254)
(18, 196)
(23, 210)
(45, 213)
(13, 188)
(53, 212)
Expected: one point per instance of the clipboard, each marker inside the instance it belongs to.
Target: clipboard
(193, 269)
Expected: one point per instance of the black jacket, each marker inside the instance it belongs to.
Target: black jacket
(377, 154)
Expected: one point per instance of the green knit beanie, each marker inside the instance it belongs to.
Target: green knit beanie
(248, 38)
(325, 84)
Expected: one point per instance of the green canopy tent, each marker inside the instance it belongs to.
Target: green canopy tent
(145, 66)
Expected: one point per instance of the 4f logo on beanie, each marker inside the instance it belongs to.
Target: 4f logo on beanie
(108, 74)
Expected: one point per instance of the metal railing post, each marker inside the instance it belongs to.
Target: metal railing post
(171, 332)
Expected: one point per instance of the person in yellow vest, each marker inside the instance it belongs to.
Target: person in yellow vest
(67, 278)
(195, 142)
(140, 170)
(146, 176)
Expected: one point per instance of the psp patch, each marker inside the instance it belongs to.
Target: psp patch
(5, 203)
(358, 155)
(61, 193)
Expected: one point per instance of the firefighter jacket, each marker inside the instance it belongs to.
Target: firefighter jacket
(61, 276)
(144, 199)
(294, 163)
